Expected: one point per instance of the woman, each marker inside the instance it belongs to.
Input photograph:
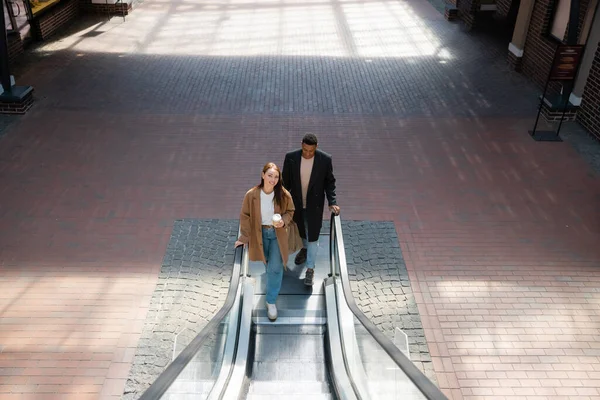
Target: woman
(267, 240)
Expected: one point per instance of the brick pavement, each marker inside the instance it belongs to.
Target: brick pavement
(413, 63)
(129, 132)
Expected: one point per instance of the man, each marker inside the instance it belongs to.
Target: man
(308, 175)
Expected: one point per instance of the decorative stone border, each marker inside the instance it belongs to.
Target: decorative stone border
(195, 275)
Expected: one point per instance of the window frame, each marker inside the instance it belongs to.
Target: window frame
(553, 14)
(10, 22)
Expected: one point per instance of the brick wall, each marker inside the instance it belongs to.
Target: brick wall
(55, 18)
(467, 12)
(556, 113)
(121, 8)
(589, 111)
(514, 61)
(539, 48)
(503, 6)
(17, 107)
(15, 45)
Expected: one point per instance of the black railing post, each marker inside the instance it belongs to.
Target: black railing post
(572, 30)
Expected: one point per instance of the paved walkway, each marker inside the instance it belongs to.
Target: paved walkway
(171, 115)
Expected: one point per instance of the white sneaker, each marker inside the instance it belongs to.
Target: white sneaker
(271, 311)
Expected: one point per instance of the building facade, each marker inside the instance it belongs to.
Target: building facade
(538, 28)
(29, 20)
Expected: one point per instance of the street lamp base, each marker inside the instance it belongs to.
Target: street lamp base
(17, 100)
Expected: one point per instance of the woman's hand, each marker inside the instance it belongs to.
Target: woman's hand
(279, 224)
(238, 243)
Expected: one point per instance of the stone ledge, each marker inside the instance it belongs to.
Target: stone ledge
(553, 106)
(451, 13)
(18, 101)
(54, 19)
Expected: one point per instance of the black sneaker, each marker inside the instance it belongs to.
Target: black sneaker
(309, 278)
(300, 257)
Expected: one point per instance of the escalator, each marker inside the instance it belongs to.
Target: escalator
(320, 347)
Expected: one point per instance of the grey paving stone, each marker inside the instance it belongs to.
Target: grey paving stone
(191, 287)
(381, 286)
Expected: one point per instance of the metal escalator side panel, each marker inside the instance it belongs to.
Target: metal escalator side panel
(407, 377)
(236, 381)
(342, 384)
(159, 388)
(231, 344)
(350, 350)
(230, 347)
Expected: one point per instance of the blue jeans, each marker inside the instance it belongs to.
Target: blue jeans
(311, 247)
(274, 264)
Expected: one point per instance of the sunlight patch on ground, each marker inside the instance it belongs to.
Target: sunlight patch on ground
(269, 27)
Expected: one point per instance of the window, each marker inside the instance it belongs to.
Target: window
(8, 18)
(562, 9)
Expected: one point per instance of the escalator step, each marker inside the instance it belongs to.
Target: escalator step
(289, 397)
(289, 388)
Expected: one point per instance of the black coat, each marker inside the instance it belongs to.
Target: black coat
(322, 182)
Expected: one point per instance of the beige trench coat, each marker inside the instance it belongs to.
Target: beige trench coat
(251, 225)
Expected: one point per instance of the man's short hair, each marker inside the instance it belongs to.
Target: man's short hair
(310, 139)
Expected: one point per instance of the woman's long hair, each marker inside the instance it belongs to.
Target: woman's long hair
(278, 198)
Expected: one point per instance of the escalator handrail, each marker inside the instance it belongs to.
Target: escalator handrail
(174, 369)
(429, 390)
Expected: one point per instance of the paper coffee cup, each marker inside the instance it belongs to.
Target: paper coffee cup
(276, 219)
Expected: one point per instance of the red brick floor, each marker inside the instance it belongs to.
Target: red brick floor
(500, 234)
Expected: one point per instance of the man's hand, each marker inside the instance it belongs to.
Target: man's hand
(335, 209)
